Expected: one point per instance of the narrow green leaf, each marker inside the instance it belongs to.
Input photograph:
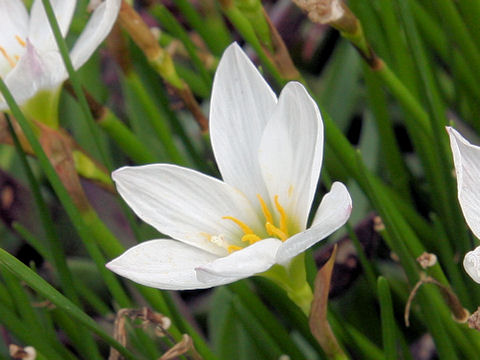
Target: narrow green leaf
(263, 340)
(388, 322)
(62, 46)
(24, 332)
(10, 263)
(271, 324)
(173, 26)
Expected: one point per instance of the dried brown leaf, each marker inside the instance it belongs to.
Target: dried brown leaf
(318, 315)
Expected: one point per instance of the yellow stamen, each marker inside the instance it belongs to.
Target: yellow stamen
(280, 232)
(290, 190)
(232, 248)
(251, 238)
(283, 216)
(11, 62)
(275, 231)
(20, 41)
(266, 212)
(245, 228)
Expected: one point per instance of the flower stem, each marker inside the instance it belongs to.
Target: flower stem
(43, 107)
(302, 296)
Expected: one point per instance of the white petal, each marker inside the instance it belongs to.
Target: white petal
(471, 263)
(14, 18)
(466, 158)
(40, 32)
(291, 152)
(97, 29)
(333, 212)
(241, 105)
(35, 71)
(164, 264)
(185, 204)
(249, 261)
(13, 30)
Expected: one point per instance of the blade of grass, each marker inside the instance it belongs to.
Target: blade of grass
(388, 321)
(173, 26)
(449, 209)
(212, 30)
(24, 332)
(62, 46)
(399, 175)
(263, 340)
(23, 305)
(159, 123)
(268, 321)
(11, 264)
(398, 236)
(74, 214)
(456, 28)
(55, 247)
(76, 334)
(402, 62)
(351, 335)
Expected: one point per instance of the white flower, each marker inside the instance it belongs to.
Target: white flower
(466, 158)
(29, 57)
(269, 152)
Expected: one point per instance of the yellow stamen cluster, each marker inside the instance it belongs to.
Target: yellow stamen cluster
(12, 61)
(280, 232)
(249, 234)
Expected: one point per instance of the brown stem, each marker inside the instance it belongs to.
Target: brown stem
(54, 142)
(460, 314)
(280, 56)
(160, 60)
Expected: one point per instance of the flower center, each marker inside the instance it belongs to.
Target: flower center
(280, 231)
(10, 60)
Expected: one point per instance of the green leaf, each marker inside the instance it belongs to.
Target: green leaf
(24, 273)
(388, 322)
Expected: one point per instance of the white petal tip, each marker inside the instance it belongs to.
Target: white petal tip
(341, 189)
(454, 134)
(471, 263)
(233, 48)
(111, 265)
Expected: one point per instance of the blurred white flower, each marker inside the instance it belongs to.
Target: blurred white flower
(269, 152)
(29, 57)
(466, 158)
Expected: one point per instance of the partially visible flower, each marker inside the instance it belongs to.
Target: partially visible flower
(29, 57)
(466, 158)
(269, 152)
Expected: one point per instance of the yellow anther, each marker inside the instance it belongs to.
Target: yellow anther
(280, 232)
(275, 231)
(20, 41)
(251, 238)
(266, 212)
(283, 216)
(232, 248)
(11, 62)
(245, 228)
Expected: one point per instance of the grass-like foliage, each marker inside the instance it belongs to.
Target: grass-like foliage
(374, 98)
